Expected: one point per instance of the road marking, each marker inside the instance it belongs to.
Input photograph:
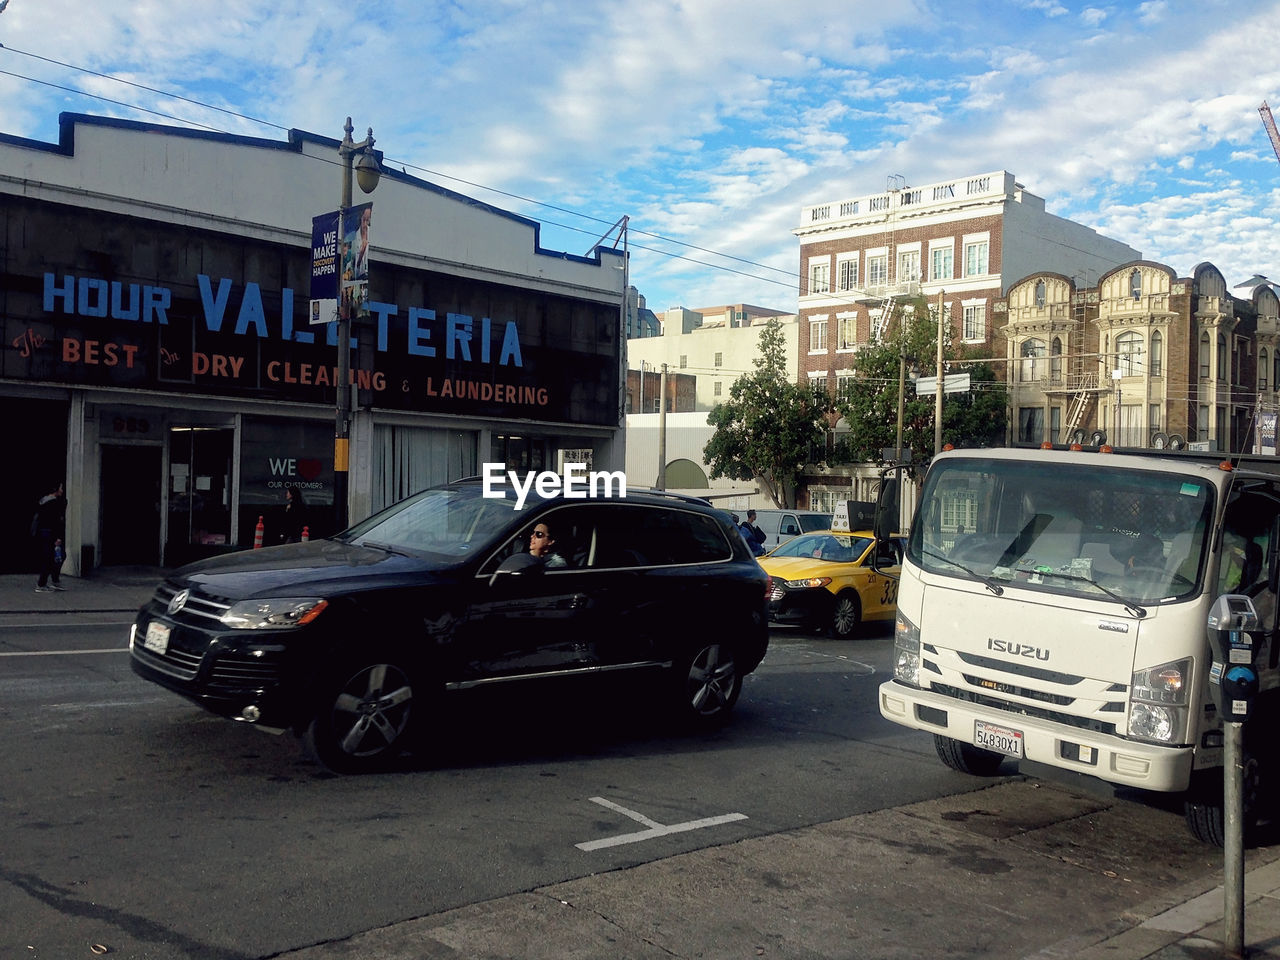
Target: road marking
(655, 829)
(58, 653)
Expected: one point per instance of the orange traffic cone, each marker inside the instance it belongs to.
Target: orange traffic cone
(258, 532)
(306, 534)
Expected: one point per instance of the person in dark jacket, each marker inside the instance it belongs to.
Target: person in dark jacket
(48, 527)
(295, 515)
(752, 534)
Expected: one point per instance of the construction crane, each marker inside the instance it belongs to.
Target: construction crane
(1269, 122)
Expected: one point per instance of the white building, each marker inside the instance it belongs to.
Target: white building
(713, 351)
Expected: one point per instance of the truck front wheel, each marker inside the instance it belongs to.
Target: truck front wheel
(967, 758)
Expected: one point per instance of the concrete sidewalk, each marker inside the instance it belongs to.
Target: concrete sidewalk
(110, 589)
(794, 894)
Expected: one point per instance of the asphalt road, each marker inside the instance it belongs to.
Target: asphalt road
(135, 821)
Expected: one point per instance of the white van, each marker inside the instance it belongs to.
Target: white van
(779, 526)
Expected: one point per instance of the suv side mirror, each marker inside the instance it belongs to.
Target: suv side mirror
(518, 564)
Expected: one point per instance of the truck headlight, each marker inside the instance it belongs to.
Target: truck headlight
(1158, 702)
(272, 613)
(906, 651)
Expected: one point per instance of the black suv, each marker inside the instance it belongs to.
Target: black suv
(351, 641)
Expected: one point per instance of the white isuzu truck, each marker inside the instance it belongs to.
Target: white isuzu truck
(1053, 605)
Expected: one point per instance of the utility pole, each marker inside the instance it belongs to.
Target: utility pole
(662, 429)
(937, 401)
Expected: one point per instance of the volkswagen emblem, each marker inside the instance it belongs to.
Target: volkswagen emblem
(178, 602)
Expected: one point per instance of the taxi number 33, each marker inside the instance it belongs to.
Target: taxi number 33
(890, 593)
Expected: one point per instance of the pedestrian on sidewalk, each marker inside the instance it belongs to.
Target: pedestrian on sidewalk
(48, 528)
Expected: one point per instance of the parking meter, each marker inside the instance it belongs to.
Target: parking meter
(1230, 626)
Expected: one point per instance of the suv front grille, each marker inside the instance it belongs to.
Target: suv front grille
(174, 662)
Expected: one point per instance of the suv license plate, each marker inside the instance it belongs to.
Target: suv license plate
(157, 638)
(1004, 740)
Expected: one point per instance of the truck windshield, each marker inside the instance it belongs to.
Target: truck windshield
(1075, 529)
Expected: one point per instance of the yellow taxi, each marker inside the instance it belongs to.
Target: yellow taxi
(826, 580)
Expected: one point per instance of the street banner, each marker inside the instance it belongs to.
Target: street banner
(324, 268)
(355, 260)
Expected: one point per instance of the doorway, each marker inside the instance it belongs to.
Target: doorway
(130, 505)
(200, 461)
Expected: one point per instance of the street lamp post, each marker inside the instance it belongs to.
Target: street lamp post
(367, 173)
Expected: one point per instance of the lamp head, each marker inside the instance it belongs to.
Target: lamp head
(367, 171)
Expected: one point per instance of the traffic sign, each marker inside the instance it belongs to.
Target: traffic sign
(953, 383)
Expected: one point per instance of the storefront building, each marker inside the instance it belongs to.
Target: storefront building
(158, 353)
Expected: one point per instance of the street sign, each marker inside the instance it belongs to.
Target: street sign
(952, 383)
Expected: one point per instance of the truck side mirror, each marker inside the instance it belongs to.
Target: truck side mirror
(1232, 618)
(888, 508)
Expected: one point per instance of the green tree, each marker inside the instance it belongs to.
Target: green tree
(869, 404)
(768, 426)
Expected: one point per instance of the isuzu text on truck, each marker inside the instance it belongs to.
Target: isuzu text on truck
(1053, 608)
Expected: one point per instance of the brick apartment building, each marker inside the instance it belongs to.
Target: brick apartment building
(961, 241)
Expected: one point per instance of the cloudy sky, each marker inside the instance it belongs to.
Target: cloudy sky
(711, 123)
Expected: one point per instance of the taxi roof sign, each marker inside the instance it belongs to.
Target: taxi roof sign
(840, 520)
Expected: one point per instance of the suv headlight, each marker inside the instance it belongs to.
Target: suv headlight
(1158, 702)
(906, 651)
(273, 613)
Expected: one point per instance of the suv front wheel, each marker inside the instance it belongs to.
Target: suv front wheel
(363, 717)
(707, 684)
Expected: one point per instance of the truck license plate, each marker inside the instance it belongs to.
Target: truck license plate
(157, 637)
(1004, 740)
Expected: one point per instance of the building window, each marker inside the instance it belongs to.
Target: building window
(941, 263)
(1275, 371)
(1157, 354)
(975, 258)
(1055, 423)
(1220, 441)
(1262, 369)
(1222, 357)
(1030, 424)
(1202, 422)
(1204, 356)
(846, 332)
(819, 384)
(946, 313)
(1135, 284)
(684, 360)
(817, 335)
(908, 266)
(975, 321)
(1040, 291)
(878, 269)
(1055, 363)
(844, 385)
(1154, 419)
(1129, 354)
(819, 277)
(847, 274)
(719, 359)
(1030, 369)
(716, 388)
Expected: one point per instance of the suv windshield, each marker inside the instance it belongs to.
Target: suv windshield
(1085, 530)
(448, 524)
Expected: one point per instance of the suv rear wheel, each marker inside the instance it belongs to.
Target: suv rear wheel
(707, 684)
